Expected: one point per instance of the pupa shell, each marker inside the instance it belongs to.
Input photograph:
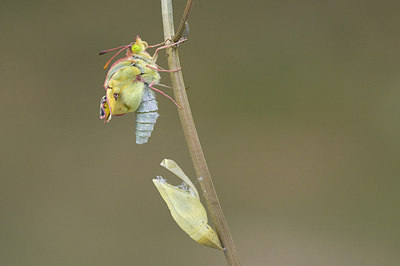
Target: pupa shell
(186, 209)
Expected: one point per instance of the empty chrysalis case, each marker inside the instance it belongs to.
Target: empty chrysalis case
(184, 204)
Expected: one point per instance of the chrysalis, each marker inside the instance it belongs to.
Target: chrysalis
(128, 87)
(184, 203)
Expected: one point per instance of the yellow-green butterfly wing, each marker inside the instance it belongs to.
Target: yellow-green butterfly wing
(122, 100)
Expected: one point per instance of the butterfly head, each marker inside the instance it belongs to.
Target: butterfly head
(138, 46)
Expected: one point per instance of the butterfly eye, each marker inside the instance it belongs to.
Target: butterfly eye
(116, 95)
(136, 48)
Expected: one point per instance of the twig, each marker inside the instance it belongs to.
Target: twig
(192, 139)
(184, 19)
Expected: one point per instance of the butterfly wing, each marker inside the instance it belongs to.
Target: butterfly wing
(122, 100)
(118, 65)
(124, 91)
(104, 109)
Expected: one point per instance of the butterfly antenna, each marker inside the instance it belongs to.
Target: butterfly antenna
(108, 62)
(109, 50)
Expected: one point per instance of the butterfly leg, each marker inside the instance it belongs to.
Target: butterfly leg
(163, 70)
(169, 45)
(157, 90)
(166, 86)
(158, 44)
(163, 85)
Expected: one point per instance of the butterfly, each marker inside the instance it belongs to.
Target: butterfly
(129, 86)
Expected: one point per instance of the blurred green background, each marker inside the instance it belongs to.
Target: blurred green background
(296, 104)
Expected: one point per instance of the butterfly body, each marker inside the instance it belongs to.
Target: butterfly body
(127, 86)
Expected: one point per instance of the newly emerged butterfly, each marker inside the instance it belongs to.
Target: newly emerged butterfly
(129, 84)
(184, 203)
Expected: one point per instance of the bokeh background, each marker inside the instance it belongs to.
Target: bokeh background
(297, 108)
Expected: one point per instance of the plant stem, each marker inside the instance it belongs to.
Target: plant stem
(193, 142)
(185, 16)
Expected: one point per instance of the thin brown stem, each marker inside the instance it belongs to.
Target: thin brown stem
(182, 25)
(193, 142)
